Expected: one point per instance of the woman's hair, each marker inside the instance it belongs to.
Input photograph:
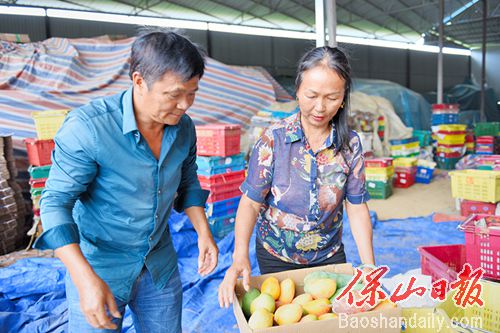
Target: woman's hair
(158, 51)
(336, 60)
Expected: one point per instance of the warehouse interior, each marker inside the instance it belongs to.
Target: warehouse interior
(425, 103)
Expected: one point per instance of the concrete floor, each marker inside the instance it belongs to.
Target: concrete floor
(417, 200)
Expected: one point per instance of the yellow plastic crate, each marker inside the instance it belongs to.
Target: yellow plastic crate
(405, 162)
(388, 171)
(486, 317)
(476, 185)
(447, 139)
(378, 177)
(408, 146)
(47, 123)
(436, 321)
(452, 127)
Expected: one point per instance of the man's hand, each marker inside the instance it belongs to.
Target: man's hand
(96, 300)
(240, 267)
(207, 259)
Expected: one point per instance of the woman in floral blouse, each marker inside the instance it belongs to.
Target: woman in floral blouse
(300, 172)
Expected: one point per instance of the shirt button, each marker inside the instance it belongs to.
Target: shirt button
(156, 216)
(159, 191)
(150, 238)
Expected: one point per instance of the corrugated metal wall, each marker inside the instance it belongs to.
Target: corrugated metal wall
(416, 70)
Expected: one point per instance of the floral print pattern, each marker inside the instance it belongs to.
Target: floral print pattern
(302, 192)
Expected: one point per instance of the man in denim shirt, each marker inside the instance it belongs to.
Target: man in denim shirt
(120, 165)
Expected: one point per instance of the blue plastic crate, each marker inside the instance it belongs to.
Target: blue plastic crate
(221, 226)
(444, 119)
(403, 141)
(424, 175)
(223, 207)
(215, 165)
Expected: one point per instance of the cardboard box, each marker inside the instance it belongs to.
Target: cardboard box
(391, 322)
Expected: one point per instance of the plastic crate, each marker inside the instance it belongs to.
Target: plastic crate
(444, 119)
(404, 180)
(378, 162)
(424, 137)
(469, 207)
(445, 108)
(379, 190)
(378, 177)
(214, 165)
(442, 261)
(36, 201)
(476, 185)
(450, 128)
(404, 142)
(405, 162)
(222, 179)
(218, 139)
(221, 208)
(386, 171)
(451, 139)
(47, 123)
(483, 243)
(424, 175)
(446, 163)
(450, 148)
(491, 128)
(37, 183)
(39, 172)
(221, 226)
(488, 314)
(219, 196)
(36, 191)
(39, 151)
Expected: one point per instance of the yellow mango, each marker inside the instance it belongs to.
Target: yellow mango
(317, 307)
(309, 317)
(263, 301)
(328, 315)
(303, 299)
(261, 318)
(288, 314)
(287, 288)
(271, 286)
(321, 288)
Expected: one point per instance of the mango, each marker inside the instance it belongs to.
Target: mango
(271, 286)
(303, 299)
(247, 300)
(309, 317)
(317, 307)
(261, 318)
(263, 301)
(288, 314)
(321, 288)
(385, 304)
(287, 291)
(328, 315)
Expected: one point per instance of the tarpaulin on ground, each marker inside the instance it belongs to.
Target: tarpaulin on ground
(32, 297)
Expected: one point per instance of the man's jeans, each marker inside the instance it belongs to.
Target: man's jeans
(153, 310)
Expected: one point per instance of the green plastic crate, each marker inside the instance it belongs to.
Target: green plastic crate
(447, 163)
(378, 189)
(487, 129)
(39, 172)
(424, 137)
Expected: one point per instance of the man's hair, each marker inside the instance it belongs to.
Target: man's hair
(158, 51)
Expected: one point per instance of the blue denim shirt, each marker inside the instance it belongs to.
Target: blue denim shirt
(108, 192)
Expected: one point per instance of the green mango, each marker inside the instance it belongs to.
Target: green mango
(247, 300)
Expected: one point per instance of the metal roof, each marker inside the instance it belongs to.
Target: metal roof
(396, 20)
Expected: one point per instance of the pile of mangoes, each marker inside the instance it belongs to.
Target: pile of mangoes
(276, 302)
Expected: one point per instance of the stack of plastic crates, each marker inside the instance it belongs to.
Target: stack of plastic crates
(39, 149)
(478, 190)
(487, 145)
(405, 170)
(379, 173)
(381, 127)
(405, 147)
(450, 144)
(425, 169)
(443, 114)
(470, 143)
(221, 171)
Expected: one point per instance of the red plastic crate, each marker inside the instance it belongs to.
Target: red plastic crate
(442, 261)
(469, 207)
(37, 183)
(404, 180)
(39, 151)
(213, 197)
(485, 140)
(378, 162)
(223, 178)
(218, 139)
(483, 244)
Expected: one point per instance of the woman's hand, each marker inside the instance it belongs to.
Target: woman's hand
(240, 267)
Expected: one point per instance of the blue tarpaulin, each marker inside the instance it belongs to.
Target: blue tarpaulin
(32, 297)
